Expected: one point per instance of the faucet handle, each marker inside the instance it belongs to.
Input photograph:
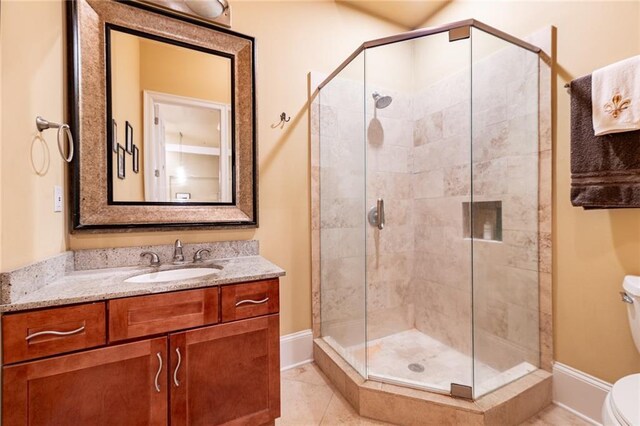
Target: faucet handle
(155, 259)
(197, 257)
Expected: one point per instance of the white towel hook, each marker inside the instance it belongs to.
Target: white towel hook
(43, 124)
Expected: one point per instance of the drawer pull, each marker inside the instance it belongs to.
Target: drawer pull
(254, 302)
(175, 372)
(55, 333)
(159, 371)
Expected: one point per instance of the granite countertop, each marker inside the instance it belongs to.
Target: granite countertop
(103, 284)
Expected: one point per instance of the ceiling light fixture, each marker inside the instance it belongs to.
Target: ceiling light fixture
(213, 11)
(210, 9)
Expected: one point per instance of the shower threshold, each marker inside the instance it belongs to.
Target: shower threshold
(502, 379)
(406, 383)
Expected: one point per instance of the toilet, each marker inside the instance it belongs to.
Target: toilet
(622, 405)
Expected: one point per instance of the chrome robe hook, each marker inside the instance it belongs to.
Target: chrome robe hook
(283, 119)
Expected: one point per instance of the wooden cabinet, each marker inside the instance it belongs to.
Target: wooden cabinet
(108, 386)
(227, 373)
(224, 374)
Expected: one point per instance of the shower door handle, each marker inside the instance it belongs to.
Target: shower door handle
(380, 211)
(376, 214)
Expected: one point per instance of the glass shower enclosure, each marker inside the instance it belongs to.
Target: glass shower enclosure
(429, 209)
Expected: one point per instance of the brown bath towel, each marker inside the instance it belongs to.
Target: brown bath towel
(605, 170)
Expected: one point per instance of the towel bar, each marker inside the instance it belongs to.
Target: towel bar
(43, 124)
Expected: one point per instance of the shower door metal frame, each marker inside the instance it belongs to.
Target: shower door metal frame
(423, 32)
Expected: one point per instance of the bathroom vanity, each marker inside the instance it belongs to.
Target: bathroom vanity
(197, 351)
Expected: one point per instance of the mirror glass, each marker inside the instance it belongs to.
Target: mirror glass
(169, 109)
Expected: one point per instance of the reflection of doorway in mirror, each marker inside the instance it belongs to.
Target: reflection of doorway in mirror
(189, 149)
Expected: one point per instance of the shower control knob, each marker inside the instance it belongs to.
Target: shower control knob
(376, 214)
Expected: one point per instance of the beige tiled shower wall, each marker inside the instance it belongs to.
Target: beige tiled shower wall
(441, 277)
(390, 252)
(500, 166)
(505, 145)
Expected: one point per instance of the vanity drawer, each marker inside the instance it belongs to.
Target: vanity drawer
(161, 313)
(248, 300)
(38, 334)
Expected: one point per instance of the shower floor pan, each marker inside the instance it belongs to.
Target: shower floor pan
(390, 360)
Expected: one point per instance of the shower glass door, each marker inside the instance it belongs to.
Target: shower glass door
(505, 219)
(342, 214)
(418, 270)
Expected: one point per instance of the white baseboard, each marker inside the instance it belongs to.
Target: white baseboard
(296, 349)
(579, 392)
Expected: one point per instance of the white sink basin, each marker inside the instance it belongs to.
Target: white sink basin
(172, 275)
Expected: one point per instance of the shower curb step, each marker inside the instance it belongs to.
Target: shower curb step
(509, 405)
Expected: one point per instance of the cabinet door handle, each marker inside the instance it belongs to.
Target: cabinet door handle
(55, 333)
(175, 372)
(254, 302)
(159, 371)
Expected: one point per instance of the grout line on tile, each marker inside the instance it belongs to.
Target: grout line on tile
(333, 395)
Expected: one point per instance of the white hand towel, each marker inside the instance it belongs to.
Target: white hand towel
(615, 97)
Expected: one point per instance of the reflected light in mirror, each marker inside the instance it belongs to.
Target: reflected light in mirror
(181, 174)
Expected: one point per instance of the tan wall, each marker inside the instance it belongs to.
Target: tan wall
(293, 38)
(184, 72)
(32, 84)
(593, 249)
(127, 106)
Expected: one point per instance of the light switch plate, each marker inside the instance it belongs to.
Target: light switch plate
(57, 198)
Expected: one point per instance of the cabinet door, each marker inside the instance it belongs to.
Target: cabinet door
(118, 385)
(226, 374)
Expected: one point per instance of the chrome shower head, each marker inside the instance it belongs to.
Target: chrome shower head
(381, 101)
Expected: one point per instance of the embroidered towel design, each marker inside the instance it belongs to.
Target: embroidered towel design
(615, 97)
(617, 105)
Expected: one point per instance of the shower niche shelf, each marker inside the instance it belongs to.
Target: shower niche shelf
(482, 220)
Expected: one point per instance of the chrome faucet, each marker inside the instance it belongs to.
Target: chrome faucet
(178, 257)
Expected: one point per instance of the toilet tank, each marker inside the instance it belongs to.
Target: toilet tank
(631, 285)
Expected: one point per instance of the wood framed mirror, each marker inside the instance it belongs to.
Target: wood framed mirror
(162, 108)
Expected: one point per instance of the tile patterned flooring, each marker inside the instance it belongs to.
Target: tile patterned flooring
(308, 399)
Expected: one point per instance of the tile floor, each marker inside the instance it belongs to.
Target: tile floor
(308, 399)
